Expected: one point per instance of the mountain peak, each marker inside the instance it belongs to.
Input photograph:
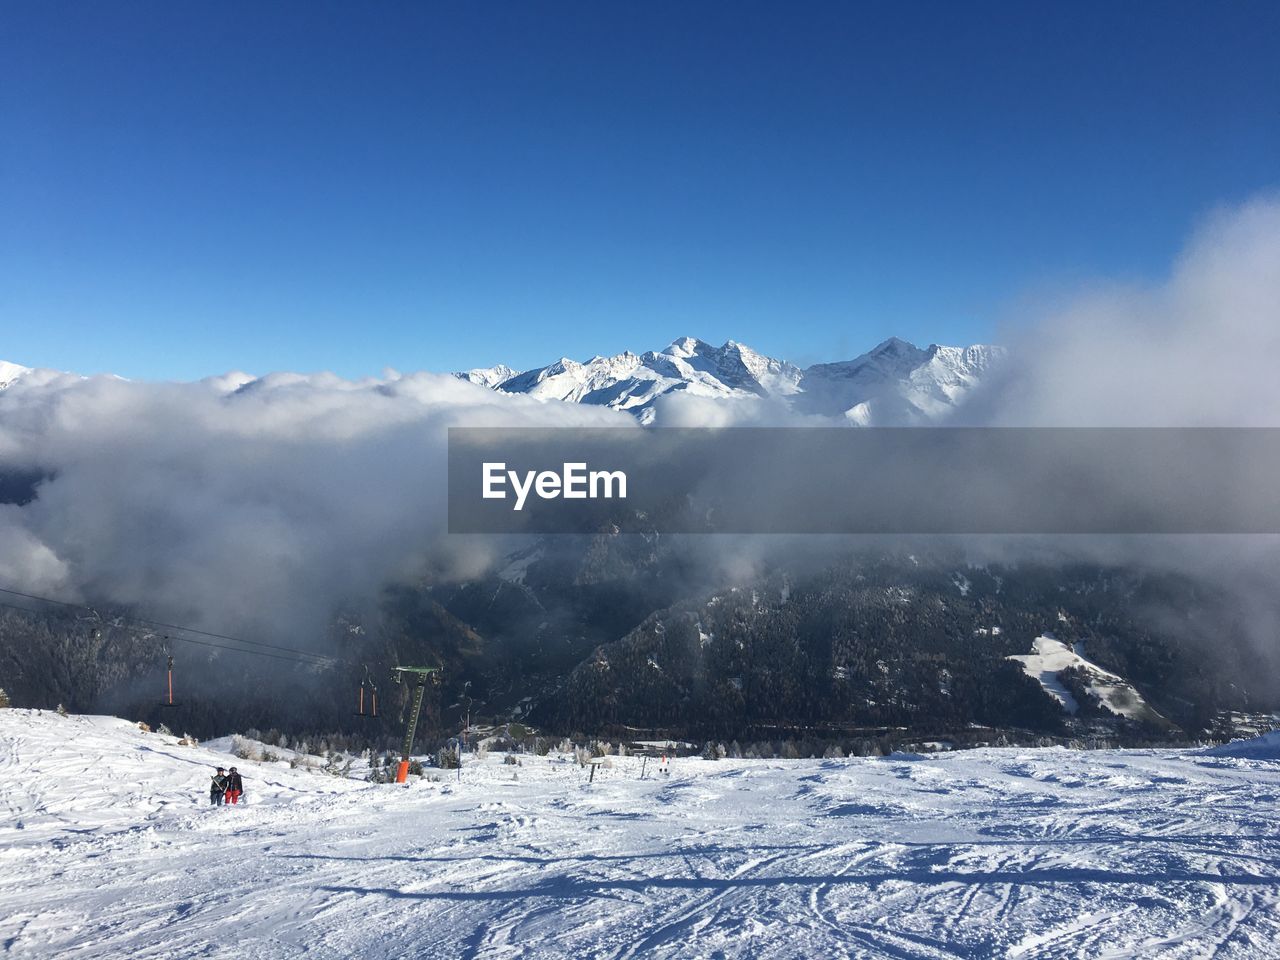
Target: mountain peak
(893, 345)
(687, 347)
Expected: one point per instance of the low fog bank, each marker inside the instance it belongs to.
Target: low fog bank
(242, 505)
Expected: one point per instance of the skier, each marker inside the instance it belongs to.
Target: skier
(235, 786)
(218, 787)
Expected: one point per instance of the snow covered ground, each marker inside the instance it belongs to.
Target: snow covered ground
(108, 849)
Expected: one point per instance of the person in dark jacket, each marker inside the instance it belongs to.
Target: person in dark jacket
(218, 787)
(235, 786)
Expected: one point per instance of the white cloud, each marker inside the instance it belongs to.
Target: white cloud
(1200, 349)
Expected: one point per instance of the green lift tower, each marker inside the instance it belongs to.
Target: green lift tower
(419, 690)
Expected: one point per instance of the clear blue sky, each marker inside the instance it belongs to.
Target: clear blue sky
(187, 188)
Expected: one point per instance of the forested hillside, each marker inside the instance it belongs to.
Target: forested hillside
(609, 635)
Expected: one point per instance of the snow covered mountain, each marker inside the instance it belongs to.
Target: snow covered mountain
(895, 383)
(9, 372)
(632, 382)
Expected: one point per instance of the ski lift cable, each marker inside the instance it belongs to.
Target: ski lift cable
(218, 646)
(259, 653)
(172, 626)
(298, 656)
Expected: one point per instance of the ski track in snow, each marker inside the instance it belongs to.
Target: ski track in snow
(110, 850)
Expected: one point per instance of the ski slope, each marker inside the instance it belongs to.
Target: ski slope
(108, 849)
(1050, 656)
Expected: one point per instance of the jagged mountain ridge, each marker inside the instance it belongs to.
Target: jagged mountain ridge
(894, 383)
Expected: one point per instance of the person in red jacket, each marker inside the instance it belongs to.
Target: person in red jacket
(235, 786)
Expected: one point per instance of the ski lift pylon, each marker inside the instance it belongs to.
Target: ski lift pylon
(424, 674)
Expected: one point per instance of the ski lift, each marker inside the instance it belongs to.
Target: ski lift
(169, 702)
(367, 682)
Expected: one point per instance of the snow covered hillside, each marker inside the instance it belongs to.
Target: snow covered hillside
(110, 850)
(1050, 658)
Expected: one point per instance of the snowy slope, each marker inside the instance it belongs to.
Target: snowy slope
(896, 383)
(9, 372)
(1049, 657)
(1264, 747)
(104, 773)
(108, 851)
